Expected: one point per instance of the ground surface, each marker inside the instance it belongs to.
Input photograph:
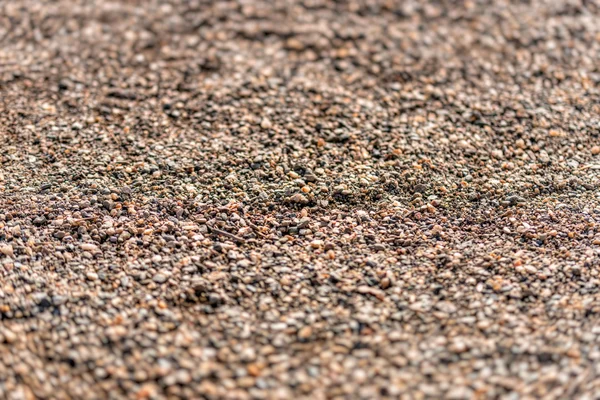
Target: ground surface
(311, 199)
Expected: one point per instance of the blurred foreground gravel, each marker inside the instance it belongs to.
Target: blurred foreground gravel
(299, 199)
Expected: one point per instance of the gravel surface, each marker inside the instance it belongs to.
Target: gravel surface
(299, 199)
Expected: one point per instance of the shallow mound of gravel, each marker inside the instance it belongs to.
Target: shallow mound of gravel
(299, 199)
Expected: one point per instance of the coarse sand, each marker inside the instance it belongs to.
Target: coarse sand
(299, 199)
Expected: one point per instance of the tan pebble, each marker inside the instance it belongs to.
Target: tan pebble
(147, 391)
(554, 133)
(9, 336)
(294, 44)
(305, 332)
(285, 281)
(385, 283)
(458, 347)
(246, 382)
(92, 276)
(266, 123)
(372, 291)
(254, 370)
(89, 247)
(316, 244)
(7, 250)
(531, 269)
(573, 352)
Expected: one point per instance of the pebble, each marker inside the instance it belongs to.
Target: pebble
(7, 250)
(92, 276)
(299, 198)
(305, 332)
(160, 278)
(266, 123)
(316, 244)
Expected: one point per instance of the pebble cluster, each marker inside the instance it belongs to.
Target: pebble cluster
(245, 199)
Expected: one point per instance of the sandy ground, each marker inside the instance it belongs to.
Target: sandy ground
(299, 199)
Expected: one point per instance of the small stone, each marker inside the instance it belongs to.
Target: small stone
(89, 247)
(8, 335)
(459, 393)
(160, 278)
(531, 269)
(254, 369)
(7, 250)
(515, 199)
(214, 299)
(420, 188)
(266, 123)
(58, 300)
(446, 306)
(458, 347)
(305, 332)
(316, 244)
(183, 377)
(92, 276)
(116, 332)
(299, 198)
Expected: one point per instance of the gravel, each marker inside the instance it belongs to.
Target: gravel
(312, 199)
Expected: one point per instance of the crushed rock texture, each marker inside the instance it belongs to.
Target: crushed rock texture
(299, 199)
